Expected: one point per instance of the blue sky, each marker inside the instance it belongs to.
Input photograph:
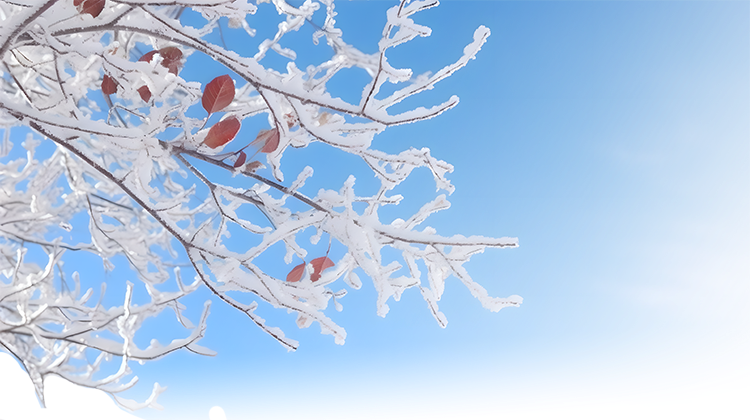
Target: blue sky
(611, 138)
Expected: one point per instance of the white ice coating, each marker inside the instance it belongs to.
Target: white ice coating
(151, 196)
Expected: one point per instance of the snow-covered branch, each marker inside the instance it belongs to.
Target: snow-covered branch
(143, 168)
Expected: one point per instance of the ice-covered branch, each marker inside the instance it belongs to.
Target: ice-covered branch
(143, 167)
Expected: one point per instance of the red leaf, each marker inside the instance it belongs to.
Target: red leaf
(170, 58)
(268, 139)
(92, 7)
(240, 160)
(148, 56)
(170, 53)
(145, 93)
(296, 273)
(319, 265)
(222, 132)
(218, 94)
(109, 86)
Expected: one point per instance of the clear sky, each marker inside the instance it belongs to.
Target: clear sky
(611, 138)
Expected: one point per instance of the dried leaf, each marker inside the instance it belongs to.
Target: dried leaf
(148, 56)
(222, 132)
(252, 166)
(319, 264)
(170, 58)
(267, 140)
(240, 160)
(92, 7)
(171, 53)
(109, 86)
(145, 93)
(323, 119)
(219, 93)
(291, 120)
(296, 273)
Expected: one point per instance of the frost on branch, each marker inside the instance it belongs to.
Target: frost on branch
(46, 320)
(158, 174)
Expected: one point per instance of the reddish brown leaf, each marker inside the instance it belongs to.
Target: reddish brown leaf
(218, 94)
(267, 140)
(240, 160)
(171, 53)
(272, 143)
(222, 132)
(252, 166)
(92, 7)
(296, 273)
(148, 56)
(145, 93)
(319, 265)
(170, 58)
(109, 86)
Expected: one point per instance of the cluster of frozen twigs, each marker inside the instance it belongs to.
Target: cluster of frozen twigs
(102, 80)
